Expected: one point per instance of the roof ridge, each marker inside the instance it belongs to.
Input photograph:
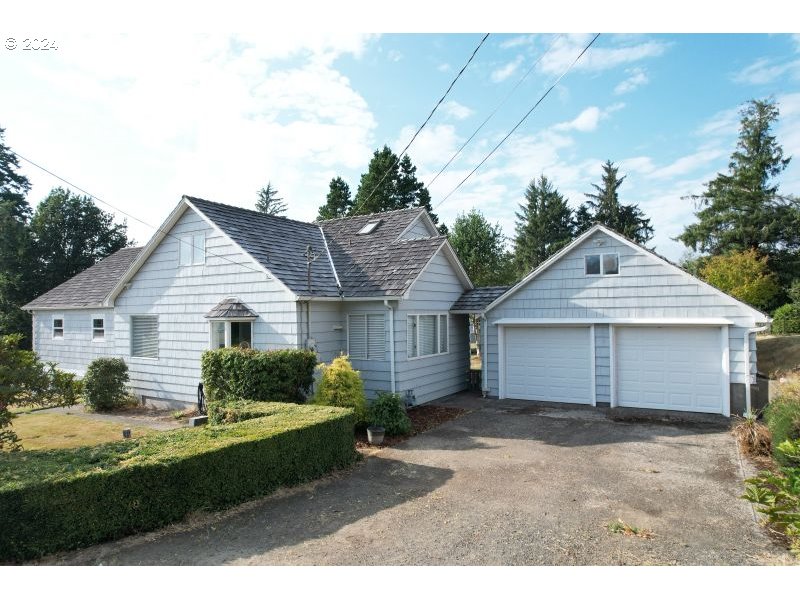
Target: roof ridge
(249, 210)
(383, 212)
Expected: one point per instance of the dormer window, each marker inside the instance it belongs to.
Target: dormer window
(369, 227)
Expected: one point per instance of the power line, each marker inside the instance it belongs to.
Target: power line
(130, 216)
(520, 122)
(492, 114)
(421, 127)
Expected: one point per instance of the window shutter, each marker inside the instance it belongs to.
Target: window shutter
(376, 336)
(428, 335)
(443, 333)
(144, 336)
(357, 336)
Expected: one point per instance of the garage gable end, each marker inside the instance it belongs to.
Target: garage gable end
(603, 275)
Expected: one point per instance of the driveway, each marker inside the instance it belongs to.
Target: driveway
(509, 483)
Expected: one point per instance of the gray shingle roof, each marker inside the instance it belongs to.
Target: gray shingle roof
(477, 299)
(231, 308)
(377, 264)
(89, 288)
(278, 244)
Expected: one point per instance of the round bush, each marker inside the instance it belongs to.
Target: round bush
(787, 319)
(341, 385)
(387, 411)
(104, 386)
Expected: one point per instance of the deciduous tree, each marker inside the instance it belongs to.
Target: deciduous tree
(744, 275)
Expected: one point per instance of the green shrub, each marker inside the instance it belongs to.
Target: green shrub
(104, 385)
(271, 375)
(788, 453)
(777, 496)
(235, 411)
(63, 499)
(786, 319)
(388, 411)
(782, 414)
(341, 385)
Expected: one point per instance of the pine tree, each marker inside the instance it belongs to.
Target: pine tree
(268, 201)
(481, 248)
(377, 190)
(742, 209)
(604, 207)
(544, 225)
(339, 202)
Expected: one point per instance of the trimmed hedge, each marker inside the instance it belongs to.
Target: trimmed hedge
(274, 375)
(64, 499)
(786, 319)
(235, 411)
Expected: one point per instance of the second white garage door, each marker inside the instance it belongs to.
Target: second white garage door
(674, 368)
(548, 363)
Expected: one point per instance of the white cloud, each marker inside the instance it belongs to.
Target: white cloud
(457, 110)
(444, 67)
(598, 57)
(588, 119)
(765, 71)
(687, 164)
(507, 70)
(638, 77)
(517, 41)
(394, 55)
(721, 124)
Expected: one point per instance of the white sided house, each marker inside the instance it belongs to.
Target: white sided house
(376, 287)
(607, 322)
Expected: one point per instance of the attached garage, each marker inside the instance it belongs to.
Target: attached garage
(671, 368)
(549, 363)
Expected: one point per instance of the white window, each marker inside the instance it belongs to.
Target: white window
(366, 336)
(427, 335)
(231, 333)
(58, 328)
(192, 249)
(601, 264)
(144, 336)
(98, 329)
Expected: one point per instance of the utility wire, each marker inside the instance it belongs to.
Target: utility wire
(421, 127)
(130, 216)
(498, 107)
(520, 122)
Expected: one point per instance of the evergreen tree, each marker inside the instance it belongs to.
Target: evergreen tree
(339, 202)
(16, 249)
(603, 206)
(480, 247)
(268, 201)
(742, 209)
(71, 234)
(544, 225)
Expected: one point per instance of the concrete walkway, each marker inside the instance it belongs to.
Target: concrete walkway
(511, 483)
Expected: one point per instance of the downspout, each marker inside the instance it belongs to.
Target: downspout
(391, 343)
(484, 355)
(747, 393)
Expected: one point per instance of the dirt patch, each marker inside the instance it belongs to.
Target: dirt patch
(778, 354)
(422, 418)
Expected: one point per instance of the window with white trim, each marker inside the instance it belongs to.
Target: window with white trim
(427, 335)
(58, 328)
(601, 264)
(231, 333)
(366, 336)
(144, 336)
(192, 249)
(98, 328)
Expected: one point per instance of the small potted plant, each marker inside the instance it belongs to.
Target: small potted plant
(375, 434)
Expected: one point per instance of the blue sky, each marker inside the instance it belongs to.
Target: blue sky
(216, 116)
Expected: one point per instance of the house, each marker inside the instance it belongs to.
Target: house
(608, 322)
(377, 287)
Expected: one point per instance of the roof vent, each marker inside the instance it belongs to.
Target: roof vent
(369, 227)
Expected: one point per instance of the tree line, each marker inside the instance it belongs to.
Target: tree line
(745, 241)
(42, 248)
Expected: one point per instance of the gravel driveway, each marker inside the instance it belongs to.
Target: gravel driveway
(509, 483)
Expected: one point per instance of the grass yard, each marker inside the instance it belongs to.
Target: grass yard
(48, 431)
(778, 353)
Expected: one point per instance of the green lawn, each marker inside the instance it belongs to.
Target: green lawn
(47, 431)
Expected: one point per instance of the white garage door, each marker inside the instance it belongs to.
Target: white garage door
(673, 368)
(548, 363)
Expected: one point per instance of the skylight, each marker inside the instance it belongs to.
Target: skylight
(368, 228)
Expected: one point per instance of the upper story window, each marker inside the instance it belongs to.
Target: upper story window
(427, 335)
(98, 329)
(58, 328)
(192, 249)
(601, 264)
(366, 336)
